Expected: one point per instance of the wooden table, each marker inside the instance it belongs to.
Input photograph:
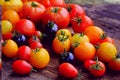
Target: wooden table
(107, 17)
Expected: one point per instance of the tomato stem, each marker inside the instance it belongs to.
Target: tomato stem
(78, 20)
(55, 10)
(4, 43)
(69, 8)
(64, 37)
(33, 4)
(103, 36)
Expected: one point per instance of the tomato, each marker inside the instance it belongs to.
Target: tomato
(97, 69)
(84, 51)
(94, 34)
(11, 5)
(38, 34)
(74, 10)
(36, 44)
(32, 10)
(7, 36)
(106, 51)
(67, 70)
(80, 23)
(6, 27)
(39, 58)
(59, 15)
(49, 3)
(61, 43)
(25, 27)
(11, 16)
(24, 1)
(66, 31)
(114, 64)
(33, 39)
(88, 63)
(0, 64)
(24, 52)
(21, 67)
(78, 38)
(9, 48)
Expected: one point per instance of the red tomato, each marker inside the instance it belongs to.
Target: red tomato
(32, 39)
(114, 64)
(21, 67)
(67, 70)
(7, 36)
(74, 10)
(106, 39)
(24, 53)
(38, 34)
(97, 69)
(25, 27)
(80, 23)
(32, 10)
(59, 15)
(88, 63)
(36, 44)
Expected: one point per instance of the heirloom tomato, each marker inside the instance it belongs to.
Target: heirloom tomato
(9, 48)
(32, 10)
(58, 15)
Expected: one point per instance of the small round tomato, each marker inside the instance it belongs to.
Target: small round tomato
(9, 48)
(80, 23)
(88, 63)
(94, 33)
(39, 58)
(106, 51)
(84, 51)
(6, 27)
(38, 34)
(61, 43)
(33, 39)
(11, 16)
(25, 27)
(67, 70)
(78, 38)
(24, 52)
(58, 15)
(114, 64)
(97, 69)
(7, 36)
(21, 67)
(32, 10)
(36, 44)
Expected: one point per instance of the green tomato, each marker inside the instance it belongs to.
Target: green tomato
(6, 27)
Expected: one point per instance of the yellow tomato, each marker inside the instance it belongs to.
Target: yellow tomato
(6, 27)
(39, 58)
(106, 51)
(9, 48)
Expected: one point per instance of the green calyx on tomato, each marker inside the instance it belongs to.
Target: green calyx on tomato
(36, 50)
(33, 4)
(78, 20)
(62, 37)
(69, 8)
(76, 44)
(55, 10)
(4, 43)
(103, 36)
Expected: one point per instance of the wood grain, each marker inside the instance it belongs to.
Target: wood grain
(105, 16)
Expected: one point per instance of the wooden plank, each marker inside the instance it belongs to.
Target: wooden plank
(105, 16)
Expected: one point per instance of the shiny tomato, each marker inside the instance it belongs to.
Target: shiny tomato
(24, 52)
(32, 10)
(11, 16)
(59, 15)
(33, 39)
(21, 67)
(25, 26)
(39, 58)
(94, 33)
(88, 63)
(106, 51)
(84, 51)
(80, 23)
(36, 44)
(7, 36)
(6, 27)
(9, 48)
(61, 43)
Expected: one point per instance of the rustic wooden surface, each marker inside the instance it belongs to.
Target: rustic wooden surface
(105, 16)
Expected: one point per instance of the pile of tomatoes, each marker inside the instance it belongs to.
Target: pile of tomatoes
(27, 25)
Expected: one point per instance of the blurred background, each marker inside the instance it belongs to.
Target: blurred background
(93, 1)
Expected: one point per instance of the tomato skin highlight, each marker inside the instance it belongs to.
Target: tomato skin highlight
(88, 63)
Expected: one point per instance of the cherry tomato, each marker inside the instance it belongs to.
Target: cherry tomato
(39, 58)
(58, 15)
(21, 67)
(25, 27)
(88, 63)
(9, 48)
(7, 36)
(106, 51)
(36, 44)
(84, 51)
(67, 70)
(24, 52)
(38, 34)
(33, 39)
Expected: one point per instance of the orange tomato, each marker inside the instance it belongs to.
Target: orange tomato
(94, 33)
(85, 51)
(60, 44)
(9, 48)
(11, 16)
